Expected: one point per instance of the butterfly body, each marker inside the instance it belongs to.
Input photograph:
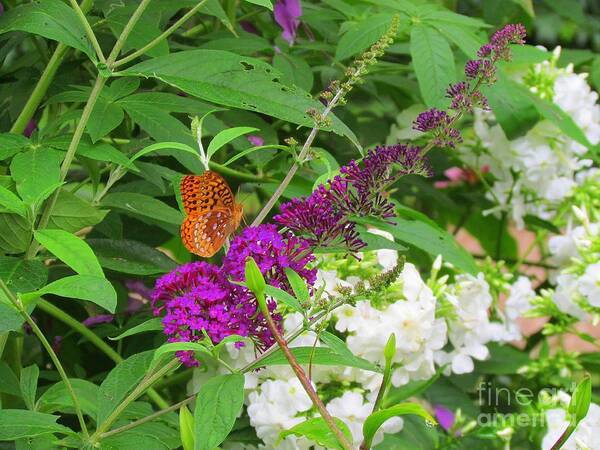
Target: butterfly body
(212, 213)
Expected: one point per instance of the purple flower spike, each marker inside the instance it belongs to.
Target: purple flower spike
(444, 416)
(439, 123)
(273, 253)
(197, 298)
(287, 13)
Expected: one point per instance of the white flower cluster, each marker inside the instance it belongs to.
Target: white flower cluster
(585, 435)
(577, 280)
(536, 172)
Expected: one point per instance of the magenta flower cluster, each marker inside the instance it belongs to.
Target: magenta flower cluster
(324, 218)
(465, 95)
(200, 297)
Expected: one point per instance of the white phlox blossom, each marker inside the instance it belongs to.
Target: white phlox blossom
(585, 435)
(353, 410)
(471, 328)
(277, 406)
(412, 319)
(547, 164)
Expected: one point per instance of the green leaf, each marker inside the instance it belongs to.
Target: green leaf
(120, 381)
(266, 3)
(34, 172)
(172, 347)
(377, 242)
(464, 38)
(105, 117)
(15, 233)
(57, 398)
(163, 146)
(152, 435)
(71, 250)
(12, 203)
(558, 117)
(22, 275)
(417, 230)
(433, 61)
(515, 113)
(226, 136)
(11, 144)
(335, 344)
(9, 384)
(375, 420)
(412, 389)
(298, 286)
(580, 400)
(316, 429)
(154, 324)
(362, 35)
(51, 19)
(415, 435)
(570, 9)
(527, 6)
(143, 205)
(131, 257)
(295, 70)
(186, 428)
(319, 356)
(18, 423)
(503, 360)
(218, 404)
(71, 213)
(92, 288)
(28, 383)
(282, 296)
(232, 80)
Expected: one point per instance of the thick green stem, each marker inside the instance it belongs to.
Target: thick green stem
(125, 33)
(149, 418)
(165, 34)
(66, 164)
(43, 83)
(139, 390)
(40, 335)
(59, 314)
(88, 30)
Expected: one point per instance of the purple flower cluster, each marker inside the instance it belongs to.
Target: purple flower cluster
(199, 298)
(498, 49)
(464, 96)
(273, 253)
(324, 218)
(439, 123)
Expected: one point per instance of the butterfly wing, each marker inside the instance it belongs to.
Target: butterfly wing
(206, 192)
(205, 233)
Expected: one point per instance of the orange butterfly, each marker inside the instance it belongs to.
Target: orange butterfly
(212, 213)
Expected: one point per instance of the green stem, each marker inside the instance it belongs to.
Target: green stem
(88, 30)
(304, 381)
(69, 156)
(125, 33)
(59, 314)
(150, 45)
(40, 335)
(43, 83)
(149, 418)
(563, 437)
(139, 390)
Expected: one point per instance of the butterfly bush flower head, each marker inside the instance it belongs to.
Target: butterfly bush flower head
(287, 13)
(439, 124)
(465, 95)
(273, 253)
(197, 298)
(323, 217)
